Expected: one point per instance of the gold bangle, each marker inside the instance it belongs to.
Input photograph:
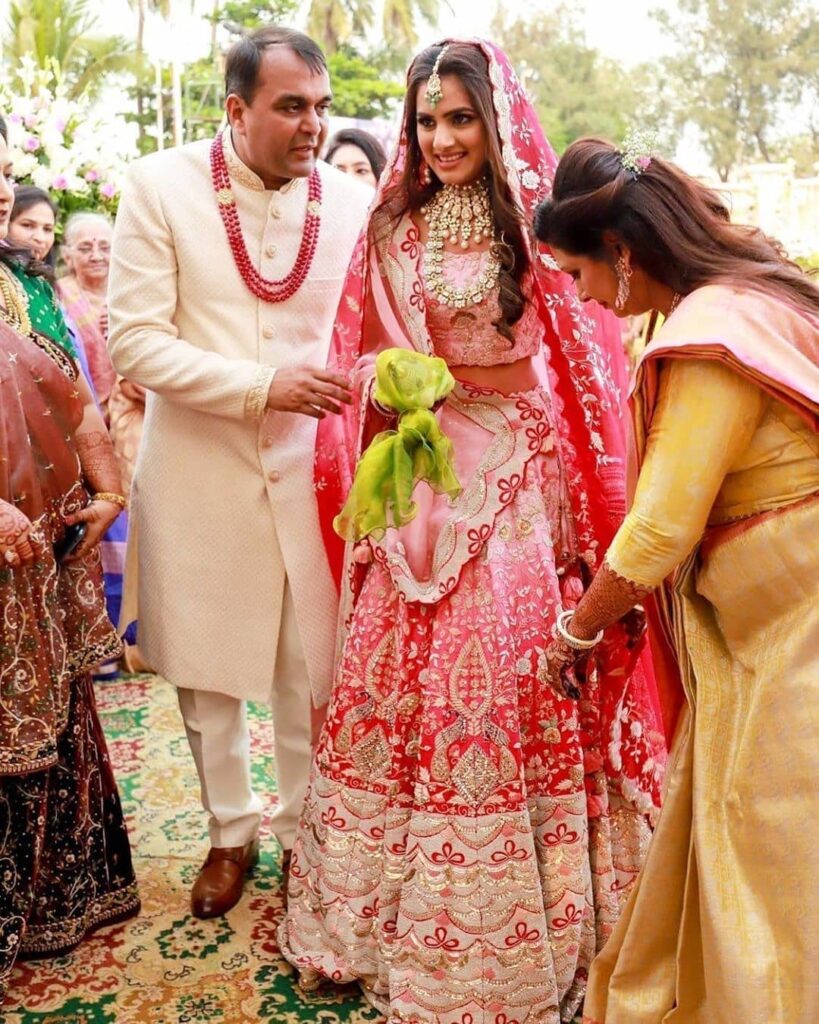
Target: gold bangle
(115, 499)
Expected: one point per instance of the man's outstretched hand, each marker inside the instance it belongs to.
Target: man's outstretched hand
(309, 391)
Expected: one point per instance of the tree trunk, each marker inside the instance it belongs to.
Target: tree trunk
(176, 86)
(160, 113)
(140, 93)
(763, 148)
(214, 25)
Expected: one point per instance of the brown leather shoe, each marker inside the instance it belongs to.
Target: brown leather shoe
(286, 855)
(218, 886)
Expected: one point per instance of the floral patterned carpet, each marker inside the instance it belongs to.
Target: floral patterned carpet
(165, 967)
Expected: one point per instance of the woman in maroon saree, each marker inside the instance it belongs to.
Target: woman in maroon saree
(65, 862)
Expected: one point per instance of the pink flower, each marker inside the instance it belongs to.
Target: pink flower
(92, 175)
(59, 124)
(31, 144)
(30, 120)
(60, 183)
(643, 162)
(108, 190)
(15, 119)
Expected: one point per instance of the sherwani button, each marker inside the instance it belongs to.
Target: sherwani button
(275, 212)
(268, 332)
(274, 476)
(267, 442)
(271, 251)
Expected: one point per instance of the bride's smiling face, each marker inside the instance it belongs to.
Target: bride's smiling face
(451, 135)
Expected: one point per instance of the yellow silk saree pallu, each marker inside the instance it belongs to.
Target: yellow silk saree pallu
(723, 925)
(720, 928)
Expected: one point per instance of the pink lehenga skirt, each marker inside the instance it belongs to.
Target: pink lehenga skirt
(461, 853)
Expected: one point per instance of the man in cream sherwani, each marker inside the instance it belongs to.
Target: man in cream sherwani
(235, 597)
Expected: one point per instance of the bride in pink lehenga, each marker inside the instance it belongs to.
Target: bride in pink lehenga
(468, 838)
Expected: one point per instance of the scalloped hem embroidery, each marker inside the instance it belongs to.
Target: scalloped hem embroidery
(111, 908)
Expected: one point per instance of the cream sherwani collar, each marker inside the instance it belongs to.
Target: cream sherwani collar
(240, 172)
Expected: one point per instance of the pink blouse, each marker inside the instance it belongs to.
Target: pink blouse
(468, 336)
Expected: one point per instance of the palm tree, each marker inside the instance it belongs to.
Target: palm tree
(333, 22)
(143, 7)
(400, 21)
(62, 30)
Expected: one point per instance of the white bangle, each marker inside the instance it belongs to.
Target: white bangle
(574, 641)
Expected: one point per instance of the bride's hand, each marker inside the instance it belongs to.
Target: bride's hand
(634, 623)
(557, 669)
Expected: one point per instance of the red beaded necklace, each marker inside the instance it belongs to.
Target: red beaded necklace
(267, 291)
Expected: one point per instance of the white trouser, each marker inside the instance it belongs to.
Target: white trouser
(218, 735)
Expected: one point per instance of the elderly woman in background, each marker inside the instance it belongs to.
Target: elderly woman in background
(86, 252)
(66, 861)
(723, 924)
(357, 152)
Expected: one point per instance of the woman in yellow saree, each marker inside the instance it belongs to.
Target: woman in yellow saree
(722, 533)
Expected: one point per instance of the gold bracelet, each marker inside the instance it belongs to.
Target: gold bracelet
(115, 499)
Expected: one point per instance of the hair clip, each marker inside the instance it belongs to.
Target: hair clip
(637, 149)
(434, 91)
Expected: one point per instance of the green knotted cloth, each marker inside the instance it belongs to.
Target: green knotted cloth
(411, 384)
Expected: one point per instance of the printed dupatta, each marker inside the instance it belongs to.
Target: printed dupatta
(103, 374)
(383, 305)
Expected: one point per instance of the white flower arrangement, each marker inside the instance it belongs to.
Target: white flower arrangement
(58, 144)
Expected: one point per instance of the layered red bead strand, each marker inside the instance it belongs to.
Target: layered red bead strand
(267, 291)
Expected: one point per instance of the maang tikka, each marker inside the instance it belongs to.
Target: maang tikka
(434, 91)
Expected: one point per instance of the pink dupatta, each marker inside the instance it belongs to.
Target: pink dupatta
(583, 368)
(95, 346)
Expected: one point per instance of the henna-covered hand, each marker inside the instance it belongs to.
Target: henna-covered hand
(610, 598)
(98, 516)
(98, 461)
(15, 542)
(558, 668)
(634, 623)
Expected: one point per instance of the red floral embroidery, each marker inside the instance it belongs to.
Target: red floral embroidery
(439, 940)
(573, 916)
(522, 934)
(477, 538)
(411, 242)
(508, 488)
(417, 297)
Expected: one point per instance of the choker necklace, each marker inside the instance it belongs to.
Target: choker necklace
(267, 291)
(459, 212)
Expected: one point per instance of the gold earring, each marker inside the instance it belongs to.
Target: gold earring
(623, 271)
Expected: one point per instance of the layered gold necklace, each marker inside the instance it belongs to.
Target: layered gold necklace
(461, 214)
(14, 300)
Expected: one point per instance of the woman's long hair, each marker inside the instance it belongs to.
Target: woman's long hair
(679, 232)
(468, 63)
(20, 254)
